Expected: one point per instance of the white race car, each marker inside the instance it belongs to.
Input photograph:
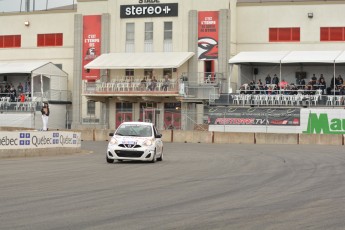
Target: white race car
(138, 141)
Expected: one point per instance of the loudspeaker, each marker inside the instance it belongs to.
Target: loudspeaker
(256, 71)
(174, 70)
(5, 78)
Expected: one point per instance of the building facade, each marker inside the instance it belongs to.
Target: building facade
(181, 49)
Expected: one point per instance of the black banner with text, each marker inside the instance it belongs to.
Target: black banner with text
(253, 116)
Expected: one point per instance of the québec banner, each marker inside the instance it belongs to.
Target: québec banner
(39, 139)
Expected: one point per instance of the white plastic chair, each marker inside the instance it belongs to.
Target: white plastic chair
(236, 99)
(330, 100)
(339, 100)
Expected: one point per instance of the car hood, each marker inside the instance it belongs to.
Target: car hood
(132, 140)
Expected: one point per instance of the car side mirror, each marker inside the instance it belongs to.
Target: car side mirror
(159, 135)
(111, 134)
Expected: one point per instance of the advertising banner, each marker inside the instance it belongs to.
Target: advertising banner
(254, 116)
(91, 45)
(325, 121)
(39, 140)
(149, 10)
(208, 35)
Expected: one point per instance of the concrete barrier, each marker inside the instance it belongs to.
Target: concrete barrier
(182, 136)
(233, 138)
(166, 135)
(102, 134)
(321, 139)
(87, 134)
(276, 138)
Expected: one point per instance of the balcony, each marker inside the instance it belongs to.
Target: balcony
(131, 88)
(201, 85)
(56, 96)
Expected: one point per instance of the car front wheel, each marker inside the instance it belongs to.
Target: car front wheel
(154, 157)
(109, 160)
(160, 158)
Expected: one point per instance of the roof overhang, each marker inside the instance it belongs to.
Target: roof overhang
(311, 57)
(288, 57)
(258, 57)
(155, 60)
(31, 67)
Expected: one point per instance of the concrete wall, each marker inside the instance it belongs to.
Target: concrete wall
(181, 136)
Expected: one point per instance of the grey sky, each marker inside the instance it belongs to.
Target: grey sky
(19, 5)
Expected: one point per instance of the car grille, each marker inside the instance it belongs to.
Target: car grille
(124, 153)
(129, 146)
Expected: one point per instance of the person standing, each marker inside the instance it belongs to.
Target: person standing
(45, 116)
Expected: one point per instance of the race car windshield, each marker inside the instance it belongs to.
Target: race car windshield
(134, 130)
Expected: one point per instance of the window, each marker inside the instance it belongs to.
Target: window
(149, 31)
(49, 39)
(129, 72)
(167, 43)
(10, 41)
(91, 107)
(332, 34)
(129, 32)
(284, 34)
(167, 72)
(129, 37)
(148, 72)
(167, 31)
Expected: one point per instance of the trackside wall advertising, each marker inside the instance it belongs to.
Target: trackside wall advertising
(39, 140)
(308, 121)
(254, 116)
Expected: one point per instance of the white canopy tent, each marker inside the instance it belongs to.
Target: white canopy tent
(156, 60)
(287, 57)
(57, 78)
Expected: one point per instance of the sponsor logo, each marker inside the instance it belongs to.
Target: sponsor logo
(322, 124)
(30, 139)
(149, 10)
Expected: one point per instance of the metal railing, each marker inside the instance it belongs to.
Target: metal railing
(124, 87)
(53, 95)
(265, 100)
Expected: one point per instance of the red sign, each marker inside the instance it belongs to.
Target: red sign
(208, 35)
(91, 45)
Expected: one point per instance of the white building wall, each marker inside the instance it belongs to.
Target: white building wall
(254, 21)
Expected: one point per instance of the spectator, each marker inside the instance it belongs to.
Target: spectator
(283, 84)
(20, 88)
(143, 84)
(166, 83)
(268, 79)
(22, 97)
(322, 85)
(13, 94)
(153, 84)
(314, 79)
(252, 86)
(334, 82)
(340, 80)
(45, 116)
(275, 79)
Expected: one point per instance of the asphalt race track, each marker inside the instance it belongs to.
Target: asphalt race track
(197, 186)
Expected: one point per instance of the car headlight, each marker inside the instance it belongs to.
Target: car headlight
(148, 142)
(113, 141)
